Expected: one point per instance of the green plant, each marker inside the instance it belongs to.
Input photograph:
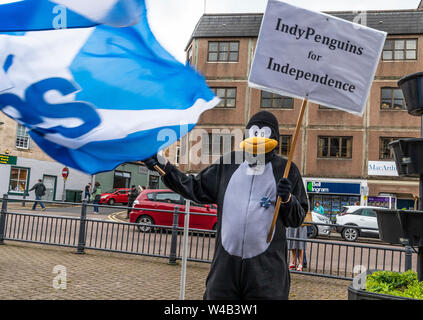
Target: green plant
(397, 284)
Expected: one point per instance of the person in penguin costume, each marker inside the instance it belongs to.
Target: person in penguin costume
(245, 266)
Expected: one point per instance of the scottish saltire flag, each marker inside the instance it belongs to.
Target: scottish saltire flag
(101, 91)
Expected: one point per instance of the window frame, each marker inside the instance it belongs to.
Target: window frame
(226, 97)
(25, 191)
(274, 97)
(340, 146)
(25, 136)
(404, 50)
(392, 101)
(281, 136)
(211, 149)
(380, 147)
(220, 52)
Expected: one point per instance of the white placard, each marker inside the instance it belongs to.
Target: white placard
(307, 54)
(382, 168)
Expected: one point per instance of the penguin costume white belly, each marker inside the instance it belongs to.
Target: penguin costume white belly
(244, 265)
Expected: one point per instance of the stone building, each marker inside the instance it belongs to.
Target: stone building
(344, 159)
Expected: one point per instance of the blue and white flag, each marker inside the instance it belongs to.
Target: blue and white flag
(101, 91)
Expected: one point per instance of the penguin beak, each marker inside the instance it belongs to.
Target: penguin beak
(258, 145)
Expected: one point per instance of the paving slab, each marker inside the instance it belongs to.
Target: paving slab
(35, 272)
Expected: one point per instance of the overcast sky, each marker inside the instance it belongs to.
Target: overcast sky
(173, 21)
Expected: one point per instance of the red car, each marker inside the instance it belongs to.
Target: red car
(167, 200)
(118, 195)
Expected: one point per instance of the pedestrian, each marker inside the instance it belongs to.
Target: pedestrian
(87, 192)
(132, 195)
(297, 247)
(40, 190)
(318, 208)
(245, 185)
(96, 196)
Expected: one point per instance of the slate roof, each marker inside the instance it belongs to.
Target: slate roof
(248, 25)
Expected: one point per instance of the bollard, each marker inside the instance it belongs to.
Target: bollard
(174, 241)
(3, 218)
(408, 256)
(23, 199)
(82, 227)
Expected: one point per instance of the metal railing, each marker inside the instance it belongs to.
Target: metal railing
(332, 258)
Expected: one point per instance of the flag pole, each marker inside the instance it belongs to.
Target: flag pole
(288, 165)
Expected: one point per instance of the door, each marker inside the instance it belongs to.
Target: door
(368, 219)
(166, 201)
(153, 182)
(50, 183)
(122, 196)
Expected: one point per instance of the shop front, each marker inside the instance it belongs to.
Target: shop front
(332, 195)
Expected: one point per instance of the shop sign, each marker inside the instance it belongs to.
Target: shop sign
(6, 159)
(333, 187)
(382, 168)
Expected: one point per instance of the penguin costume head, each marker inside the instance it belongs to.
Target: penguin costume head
(262, 134)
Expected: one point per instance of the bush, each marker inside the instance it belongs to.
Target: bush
(396, 284)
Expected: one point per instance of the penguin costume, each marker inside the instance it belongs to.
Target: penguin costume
(244, 265)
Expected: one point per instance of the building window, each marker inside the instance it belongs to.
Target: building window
(217, 144)
(22, 137)
(400, 49)
(18, 179)
(385, 152)
(223, 51)
(335, 147)
(273, 100)
(121, 179)
(322, 107)
(177, 155)
(285, 142)
(189, 56)
(392, 99)
(227, 97)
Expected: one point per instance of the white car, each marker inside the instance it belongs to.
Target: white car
(357, 216)
(319, 229)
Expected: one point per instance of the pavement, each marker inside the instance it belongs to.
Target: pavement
(42, 272)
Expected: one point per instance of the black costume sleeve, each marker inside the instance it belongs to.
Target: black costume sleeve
(293, 213)
(202, 188)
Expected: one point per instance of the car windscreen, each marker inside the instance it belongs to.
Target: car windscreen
(343, 210)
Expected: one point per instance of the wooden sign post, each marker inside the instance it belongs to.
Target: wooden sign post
(288, 165)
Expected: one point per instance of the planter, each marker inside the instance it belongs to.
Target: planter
(359, 294)
(412, 88)
(403, 227)
(408, 155)
(354, 294)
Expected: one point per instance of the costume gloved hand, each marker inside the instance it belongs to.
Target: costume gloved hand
(156, 160)
(284, 189)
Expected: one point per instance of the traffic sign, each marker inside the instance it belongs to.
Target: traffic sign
(65, 172)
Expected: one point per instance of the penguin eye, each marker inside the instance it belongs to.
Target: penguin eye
(265, 132)
(254, 131)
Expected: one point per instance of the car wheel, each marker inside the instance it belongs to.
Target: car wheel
(145, 219)
(314, 232)
(111, 202)
(350, 234)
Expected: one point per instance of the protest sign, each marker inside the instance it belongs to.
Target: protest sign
(307, 54)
